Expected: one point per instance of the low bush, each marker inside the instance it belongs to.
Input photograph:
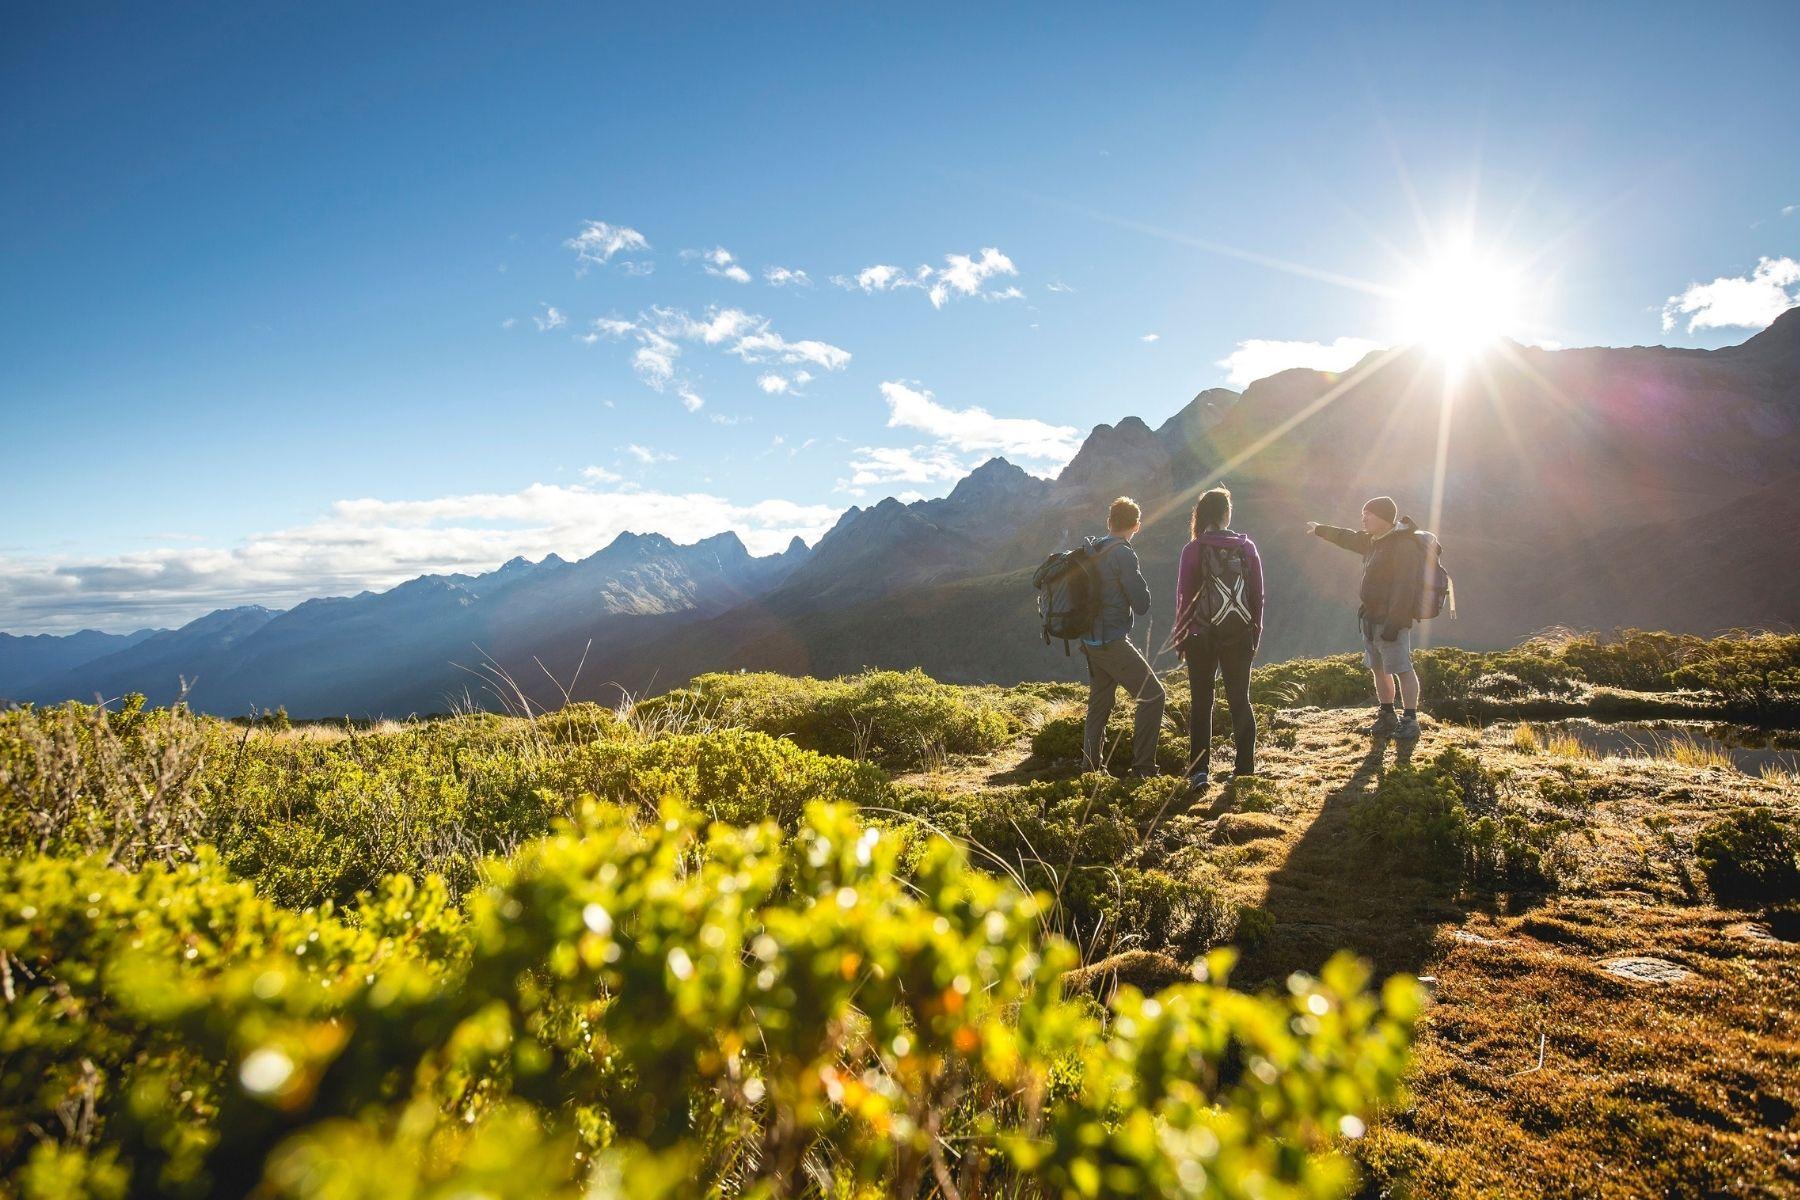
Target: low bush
(1452, 818)
(1058, 740)
(694, 1009)
(1760, 673)
(1089, 843)
(900, 719)
(1750, 859)
(733, 775)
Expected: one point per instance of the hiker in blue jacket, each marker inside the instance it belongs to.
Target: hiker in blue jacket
(1113, 662)
(1393, 573)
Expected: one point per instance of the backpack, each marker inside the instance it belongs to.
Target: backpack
(1436, 591)
(1068, 591)
(1221, 606)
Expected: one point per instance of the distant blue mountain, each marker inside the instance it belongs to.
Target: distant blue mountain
(26, 659)
(421, 646)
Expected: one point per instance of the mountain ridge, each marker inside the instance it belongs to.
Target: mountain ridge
(1569, 476)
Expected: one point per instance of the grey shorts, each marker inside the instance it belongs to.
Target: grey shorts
(1394, 657)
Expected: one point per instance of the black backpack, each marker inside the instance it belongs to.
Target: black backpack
(1221, 606)
(1068, 591)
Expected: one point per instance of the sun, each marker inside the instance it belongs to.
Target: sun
(1459, 305)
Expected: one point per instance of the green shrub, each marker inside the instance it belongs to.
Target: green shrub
(731, 775)
(1058, 740)
(901, 719)
(1255, 926)
(1750, 859)
(696, 1009)
(1336, 682)
(1253, 793)
(1761, 672)
(1089, 844)
(1451, 818)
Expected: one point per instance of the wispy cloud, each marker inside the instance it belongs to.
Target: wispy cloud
(372, 543)
(598, 242)
(786, 277)
(1151, 337)
(1259, 358)
(551, 318)
(661, 333)
(892, 464)
(961, 275)
(1057, 285)
(1742, 302)
(647, 456)
(719, 261)
(975, 430)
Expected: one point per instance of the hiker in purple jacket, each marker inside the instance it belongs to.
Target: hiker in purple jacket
(1219, 622)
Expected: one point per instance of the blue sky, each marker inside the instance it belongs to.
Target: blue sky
(272, 277)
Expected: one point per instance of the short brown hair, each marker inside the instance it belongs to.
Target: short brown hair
(1123, 514)
(1383, 507)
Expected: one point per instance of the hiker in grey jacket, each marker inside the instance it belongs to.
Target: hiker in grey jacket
(1112, 660)
(1393, 573)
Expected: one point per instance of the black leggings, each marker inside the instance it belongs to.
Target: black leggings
(1231, 660)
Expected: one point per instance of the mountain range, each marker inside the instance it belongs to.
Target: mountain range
(1596, 488)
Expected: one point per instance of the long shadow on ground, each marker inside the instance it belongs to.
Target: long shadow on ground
(1332, 893)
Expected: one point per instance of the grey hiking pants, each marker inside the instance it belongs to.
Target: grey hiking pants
(1114, 665)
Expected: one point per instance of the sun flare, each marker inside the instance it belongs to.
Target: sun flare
(1459, 305)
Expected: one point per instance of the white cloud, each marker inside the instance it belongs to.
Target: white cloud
(600, 475)
(654, 360)
(376, 544)
(1057, 285)
(894, 464)
(1259, 358)
(965, 274)
(976, 430)
(1150, 337)
(661, 332)
(509, 322)
(768, 346)
(1744, 302)
(879, 278)
(720, 325)
(1788, 210)
(772, 383)
(647, 456)
(721, 262)
(552, 318)
(597, 242)
(961, 275)
(786, 277)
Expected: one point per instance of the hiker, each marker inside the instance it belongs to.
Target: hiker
(1219, 602)
(1112, 660)
(1393, 574)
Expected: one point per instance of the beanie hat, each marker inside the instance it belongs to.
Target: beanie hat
(1383, 507)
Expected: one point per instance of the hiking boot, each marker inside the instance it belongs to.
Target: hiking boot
(1408, 730)
(1197, 781)
(1386, 723)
